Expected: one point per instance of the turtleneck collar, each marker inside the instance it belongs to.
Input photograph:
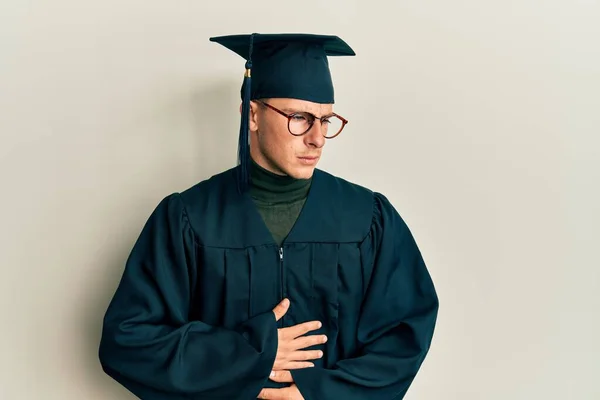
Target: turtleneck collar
(271, 188)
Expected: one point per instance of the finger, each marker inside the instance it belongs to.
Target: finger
(308, 341)
(298, 330)
(306, 355)
(295, 392)
(272, 394)
(281, 376)
(281, 308)
(297, 365)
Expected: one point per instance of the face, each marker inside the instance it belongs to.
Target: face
(275, 149)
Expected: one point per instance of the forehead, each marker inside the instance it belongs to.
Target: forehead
(291, 105)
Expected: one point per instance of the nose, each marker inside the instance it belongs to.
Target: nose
(314, 137)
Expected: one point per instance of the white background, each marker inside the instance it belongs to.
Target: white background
(480, 120)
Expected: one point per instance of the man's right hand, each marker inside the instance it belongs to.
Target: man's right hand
(292, 340)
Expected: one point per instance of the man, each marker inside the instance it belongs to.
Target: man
(274, 279)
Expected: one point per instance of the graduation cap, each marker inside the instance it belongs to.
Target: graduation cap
(289, 65)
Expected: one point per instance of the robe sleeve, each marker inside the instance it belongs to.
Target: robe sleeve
(149, 344)
(396, 321)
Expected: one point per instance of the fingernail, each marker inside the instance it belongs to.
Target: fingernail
(272, 374)
(319, 324)
(324, 339)
(320, 354)
(286, 302)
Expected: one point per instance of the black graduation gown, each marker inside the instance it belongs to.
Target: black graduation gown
(192, 315)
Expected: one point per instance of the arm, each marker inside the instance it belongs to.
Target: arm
(396, 323)
(148, 343)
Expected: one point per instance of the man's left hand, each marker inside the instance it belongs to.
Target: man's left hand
(288, 393)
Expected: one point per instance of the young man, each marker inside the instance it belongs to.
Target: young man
(274, 279)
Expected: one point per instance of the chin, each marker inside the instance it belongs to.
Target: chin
(302, 172)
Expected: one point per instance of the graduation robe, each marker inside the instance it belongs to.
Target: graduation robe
(192, 314)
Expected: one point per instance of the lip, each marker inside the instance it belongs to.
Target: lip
(308, 160)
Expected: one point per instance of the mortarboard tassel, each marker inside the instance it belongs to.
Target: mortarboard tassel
(243, 144)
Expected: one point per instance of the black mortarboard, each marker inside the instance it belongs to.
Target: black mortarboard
(289, 65)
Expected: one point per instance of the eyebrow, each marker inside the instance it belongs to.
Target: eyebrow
(291, 110)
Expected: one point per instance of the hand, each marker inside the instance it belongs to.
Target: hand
(291, 340)
(288, 393)
(281, 377)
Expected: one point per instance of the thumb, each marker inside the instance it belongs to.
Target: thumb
(281, 308)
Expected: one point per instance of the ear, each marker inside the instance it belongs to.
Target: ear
(253, 122)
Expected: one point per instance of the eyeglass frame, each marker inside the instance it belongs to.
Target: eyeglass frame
(314, 118)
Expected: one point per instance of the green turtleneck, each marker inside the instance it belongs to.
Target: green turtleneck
(278, 198)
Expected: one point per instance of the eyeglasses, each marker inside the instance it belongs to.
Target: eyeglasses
(300, 123)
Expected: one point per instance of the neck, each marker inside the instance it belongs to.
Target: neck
(271, 188)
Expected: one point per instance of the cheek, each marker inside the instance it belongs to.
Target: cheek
(279, 141)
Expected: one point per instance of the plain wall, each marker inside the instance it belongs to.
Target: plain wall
(480, 120)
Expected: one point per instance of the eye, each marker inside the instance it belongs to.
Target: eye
(299, 118)
(326, 120)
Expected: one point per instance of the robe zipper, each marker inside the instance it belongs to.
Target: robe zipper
(281, 270)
